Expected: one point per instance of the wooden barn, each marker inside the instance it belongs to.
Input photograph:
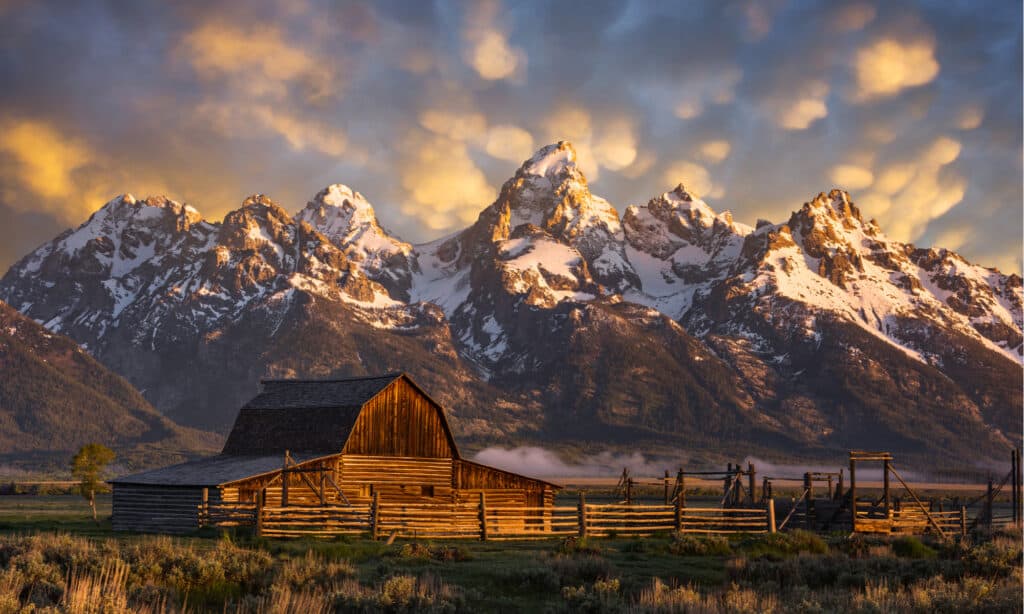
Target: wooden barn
(339, 442)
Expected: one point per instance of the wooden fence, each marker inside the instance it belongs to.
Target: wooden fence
(480, 521)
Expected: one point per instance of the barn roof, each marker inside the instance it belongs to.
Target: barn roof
(303, 415)
(213, 471)
(319, 393)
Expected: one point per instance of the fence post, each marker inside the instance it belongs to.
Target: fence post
(1020, 490)
(752, 483)
(682, 486)
(483, 516)
(680, 504)
(205, 506)
(666, 487)
(582, 510)
(771, 515)
(989, 496)
(963, 521)
(375, 516)
(261, 500)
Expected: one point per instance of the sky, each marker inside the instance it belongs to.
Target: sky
(428, 107)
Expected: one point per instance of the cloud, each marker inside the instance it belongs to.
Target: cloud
(615, 148)
(853, 17)
(301, 133)
(912, 193)
(694, 176)
(970, 117)
(807, 107)
(508, 142)
(705, 89)
(715, 151)
(851, 177)
(889, 65)
(487, 49)
(50, 171)
(258, 61)
(541, 462)
(446, 189)
(46, 160)
(453, 124)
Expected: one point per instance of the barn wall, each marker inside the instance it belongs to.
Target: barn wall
(158, 509)
(400, 421)
(397, 479)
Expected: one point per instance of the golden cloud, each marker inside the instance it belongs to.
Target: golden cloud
(715, 151)
(508, 142)
(615, 148)
(852, 177)
(807, 107)
(446, 188)
(56, 173)
(888, 66)
(257, 61)
(301, 133)
(487, 49)
(454, 125)
(714, 88)
(694, 177)
(919, 191)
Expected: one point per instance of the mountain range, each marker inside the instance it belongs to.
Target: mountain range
(554, 319)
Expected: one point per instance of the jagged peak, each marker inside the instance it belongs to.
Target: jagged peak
(352, 207)
(551, 160)
(259, 206)
(837, 203)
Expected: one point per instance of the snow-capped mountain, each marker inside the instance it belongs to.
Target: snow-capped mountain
(551, 317)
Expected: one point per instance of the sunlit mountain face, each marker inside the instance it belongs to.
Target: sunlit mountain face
(913, 108)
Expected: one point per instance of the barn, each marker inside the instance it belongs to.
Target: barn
(336, 442)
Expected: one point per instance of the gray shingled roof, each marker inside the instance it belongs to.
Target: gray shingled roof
(308, 394)
(212, 471)
(311, 416)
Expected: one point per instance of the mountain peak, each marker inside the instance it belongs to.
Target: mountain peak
(341, 207)
(551, 160)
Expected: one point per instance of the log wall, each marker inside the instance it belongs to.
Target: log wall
(158, 509)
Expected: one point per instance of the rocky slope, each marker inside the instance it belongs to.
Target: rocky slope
(54, 398)
(552, 318)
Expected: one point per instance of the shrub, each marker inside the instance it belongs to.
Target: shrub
(910, 547)
(692, 545)
(581, 569)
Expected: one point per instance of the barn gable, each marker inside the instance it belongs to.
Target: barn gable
(401, 420)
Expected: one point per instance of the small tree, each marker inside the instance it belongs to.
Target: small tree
(87, 467)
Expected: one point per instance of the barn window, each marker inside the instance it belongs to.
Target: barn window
(427, 491)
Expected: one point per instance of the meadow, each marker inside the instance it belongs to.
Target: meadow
(53, 558)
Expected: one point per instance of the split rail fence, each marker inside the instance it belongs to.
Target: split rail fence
(481, 521)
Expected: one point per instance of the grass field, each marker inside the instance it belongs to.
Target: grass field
(54, 558)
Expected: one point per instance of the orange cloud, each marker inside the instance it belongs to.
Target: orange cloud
(888, 66)
(257, 61)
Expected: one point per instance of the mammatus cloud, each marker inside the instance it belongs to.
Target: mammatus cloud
(508, 142)
(694, 177)
(715, 151)
(258, 120)
(853, 17)
(705, 89)
(852, 177)
(889, 65)
(445, 187)
(910, 194)
(258, 61)
(808, 106)
(970, 117)
(487, 49)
